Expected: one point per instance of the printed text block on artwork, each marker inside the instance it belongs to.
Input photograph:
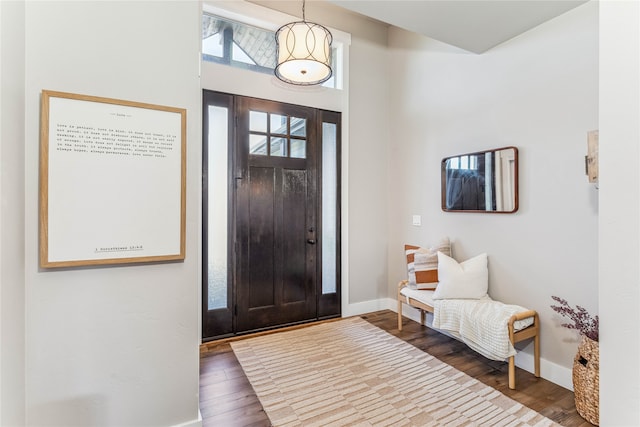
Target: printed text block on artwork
(112, 181)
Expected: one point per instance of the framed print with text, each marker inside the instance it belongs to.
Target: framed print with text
(112, 181)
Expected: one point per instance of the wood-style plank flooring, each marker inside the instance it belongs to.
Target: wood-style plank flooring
(227, 399)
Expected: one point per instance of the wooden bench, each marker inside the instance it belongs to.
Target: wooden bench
(532, 331)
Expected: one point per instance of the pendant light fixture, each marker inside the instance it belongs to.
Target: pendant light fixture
(304, 52)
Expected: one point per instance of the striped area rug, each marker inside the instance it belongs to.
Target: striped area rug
(351, 373)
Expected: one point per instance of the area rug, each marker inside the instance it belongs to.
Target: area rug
(352, 373)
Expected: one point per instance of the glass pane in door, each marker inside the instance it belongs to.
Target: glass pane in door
(298, 148)
(217, 207)
(257, 121)
(258, 145)
(278, 124)
(298, 127)
(278, 147)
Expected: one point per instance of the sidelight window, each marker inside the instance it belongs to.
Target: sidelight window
(329, 208)
(217, 207)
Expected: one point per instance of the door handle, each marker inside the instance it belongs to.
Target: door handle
(311, 241)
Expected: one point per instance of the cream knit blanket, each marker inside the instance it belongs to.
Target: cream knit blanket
(481, 324)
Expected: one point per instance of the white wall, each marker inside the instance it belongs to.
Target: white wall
(368, 172)
(113, 345)
(620, 213)
(538, 92)
(12, 119)
(118, 345)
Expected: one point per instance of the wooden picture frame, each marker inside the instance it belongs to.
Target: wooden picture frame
(591, 159)
(112, 181)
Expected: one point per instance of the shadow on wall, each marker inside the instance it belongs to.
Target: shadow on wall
(79, 412)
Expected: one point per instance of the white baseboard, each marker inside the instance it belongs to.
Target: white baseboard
(550, 371)
(192, 423)
(365, 307)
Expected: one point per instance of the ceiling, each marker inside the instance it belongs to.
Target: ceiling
(473, 25)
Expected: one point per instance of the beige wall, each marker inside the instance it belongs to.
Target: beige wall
(619, 245)
(368, 172)
(12, 295)
(538, 92)
(113, 345)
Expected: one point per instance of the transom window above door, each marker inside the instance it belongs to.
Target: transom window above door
(277, 135)
(241, 45)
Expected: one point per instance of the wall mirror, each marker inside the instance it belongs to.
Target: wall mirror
(486, 181)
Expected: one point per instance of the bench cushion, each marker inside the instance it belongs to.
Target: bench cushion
(424, 296)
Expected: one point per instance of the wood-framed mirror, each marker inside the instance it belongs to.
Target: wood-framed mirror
(485, 181)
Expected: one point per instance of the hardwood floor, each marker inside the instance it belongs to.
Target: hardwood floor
(227, 399)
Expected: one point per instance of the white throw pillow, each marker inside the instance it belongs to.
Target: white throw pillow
(465, 280)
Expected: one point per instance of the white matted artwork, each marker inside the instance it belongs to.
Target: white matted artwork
(112, 181)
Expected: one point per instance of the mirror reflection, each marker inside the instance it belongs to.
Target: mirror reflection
(485, 181)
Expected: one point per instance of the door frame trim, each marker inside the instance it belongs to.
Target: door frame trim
(342, 204)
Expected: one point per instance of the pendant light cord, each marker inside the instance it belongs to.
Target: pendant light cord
(304, 19)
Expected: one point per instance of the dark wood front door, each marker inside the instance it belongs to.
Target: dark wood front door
(276, 198)
(271, 214)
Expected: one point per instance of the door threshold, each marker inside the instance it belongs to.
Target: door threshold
(222, 340)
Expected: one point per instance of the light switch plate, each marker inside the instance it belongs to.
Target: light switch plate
(417, 220)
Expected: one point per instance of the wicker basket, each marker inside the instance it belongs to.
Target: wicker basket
(586, 380)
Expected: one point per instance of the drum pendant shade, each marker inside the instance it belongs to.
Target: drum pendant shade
(304, 53)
